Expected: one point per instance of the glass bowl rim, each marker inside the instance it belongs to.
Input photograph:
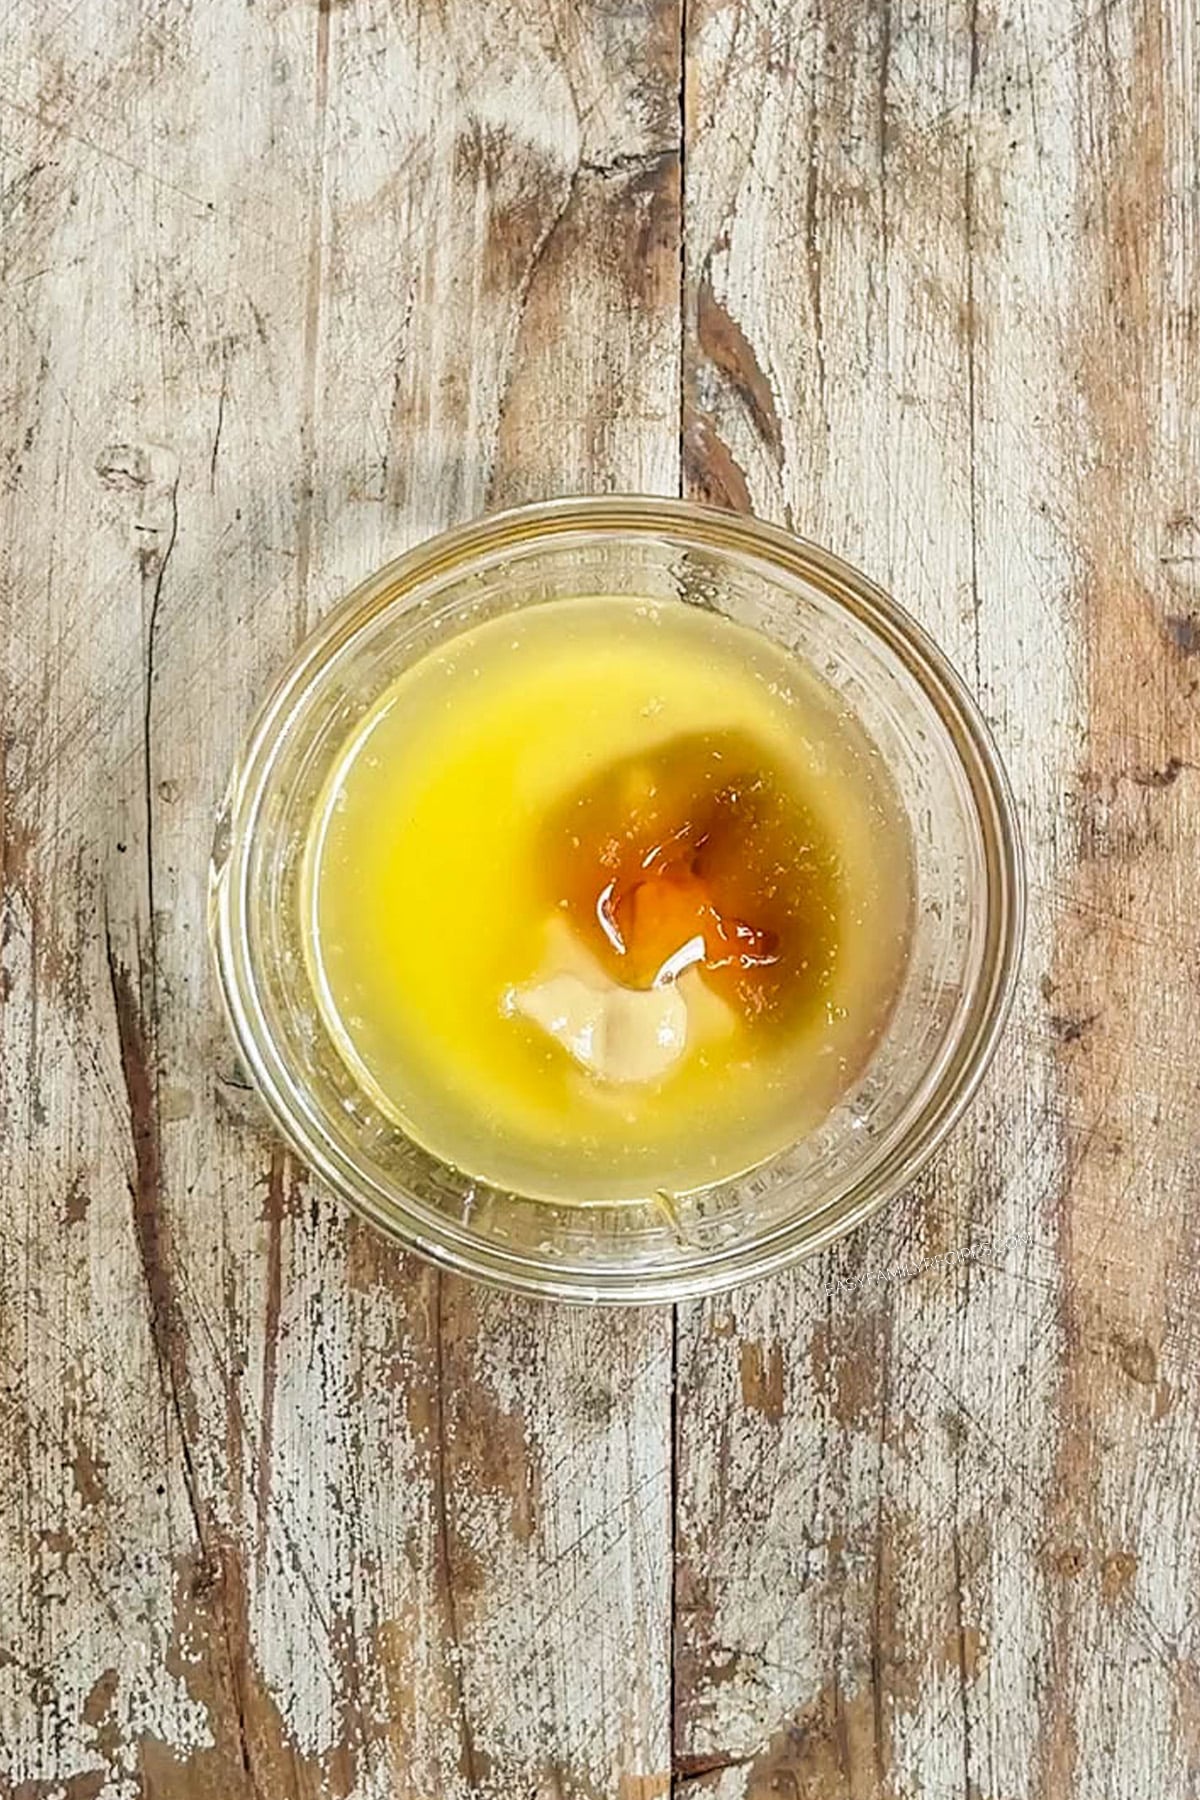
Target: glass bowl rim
(699, 527)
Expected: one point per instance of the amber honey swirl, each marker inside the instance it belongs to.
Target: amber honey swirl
(702, 838)
(605, 897)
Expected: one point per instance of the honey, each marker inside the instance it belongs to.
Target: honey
(605, 897)
(702, 839)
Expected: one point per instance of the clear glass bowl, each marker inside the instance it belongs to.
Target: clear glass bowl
(965, 947)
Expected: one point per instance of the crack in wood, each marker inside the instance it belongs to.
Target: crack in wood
(150, 1229)
(445, 1564)
(715, 1762)
(153, 561)
(312, 320)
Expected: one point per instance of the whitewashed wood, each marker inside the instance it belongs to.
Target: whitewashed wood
(940, 1543)
(288, 287)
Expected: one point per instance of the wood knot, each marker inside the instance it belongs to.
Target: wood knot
(1179, 556)
(1164, 777)
(1068, 1028)
(146, 476)
(205, 1576)
(1116, 1573)
(1137, 1359)
(1183, 629)
(132, 468)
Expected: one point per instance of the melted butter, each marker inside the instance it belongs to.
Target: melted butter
(620, 1034)
(617, 1034)
(634, 800)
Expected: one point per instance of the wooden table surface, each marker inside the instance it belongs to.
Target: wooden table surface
(288, 285)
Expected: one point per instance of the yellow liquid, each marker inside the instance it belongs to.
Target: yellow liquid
(427, 898)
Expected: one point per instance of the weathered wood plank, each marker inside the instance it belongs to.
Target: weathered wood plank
(291, 286)
(1126, 1614)
(145, 310)
(933, 1526)
(286, 288)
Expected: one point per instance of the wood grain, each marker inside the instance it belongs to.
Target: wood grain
(290, 287)
(940, 318)
(287, 286)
